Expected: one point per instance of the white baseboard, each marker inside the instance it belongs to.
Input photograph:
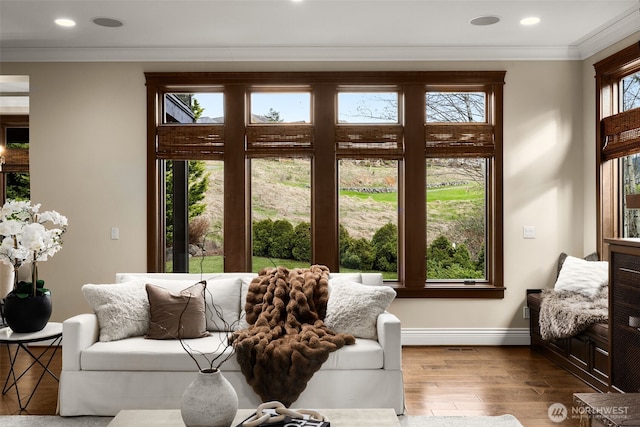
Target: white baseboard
(466, 336)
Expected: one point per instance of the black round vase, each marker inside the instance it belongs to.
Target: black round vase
(29, 314)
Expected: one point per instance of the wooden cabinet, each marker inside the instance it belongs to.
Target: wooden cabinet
(624, 313)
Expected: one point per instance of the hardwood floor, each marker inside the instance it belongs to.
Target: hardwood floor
(438, 381)
(487, 381)
(45, 399)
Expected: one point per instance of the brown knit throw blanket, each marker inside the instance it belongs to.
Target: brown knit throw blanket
(287, 340)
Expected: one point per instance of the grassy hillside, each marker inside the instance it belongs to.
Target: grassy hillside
(367, 199)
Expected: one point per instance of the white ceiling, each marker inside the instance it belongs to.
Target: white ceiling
(338, 30)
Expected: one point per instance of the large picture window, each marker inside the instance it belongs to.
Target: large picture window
(618, 139)
(398, 173)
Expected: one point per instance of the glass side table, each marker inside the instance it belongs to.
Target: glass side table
(52, 333)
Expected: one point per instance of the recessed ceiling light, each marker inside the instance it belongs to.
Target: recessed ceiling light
(65, 22)
(108, 22)
(485, 20)
(531, 20)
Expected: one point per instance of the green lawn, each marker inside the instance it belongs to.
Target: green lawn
(391, 197)
(213, 264)
(466, 192)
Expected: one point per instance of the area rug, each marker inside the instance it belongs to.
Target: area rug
(52, 421)
(459, 421)
(405, 421)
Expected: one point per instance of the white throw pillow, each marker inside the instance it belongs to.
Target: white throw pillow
(353, 308)
(338, 278)
(246, 281)
(585, 277)
(225, 294)
(122, 308)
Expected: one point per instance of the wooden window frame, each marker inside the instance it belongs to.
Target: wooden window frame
(325, 152)
(609, 73)
(16, 159)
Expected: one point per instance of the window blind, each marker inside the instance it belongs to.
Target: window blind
(190, 142)
(459, 139)
(621, 134)
(16, 160)
(369, 140)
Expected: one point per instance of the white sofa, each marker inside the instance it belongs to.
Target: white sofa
(102, 378)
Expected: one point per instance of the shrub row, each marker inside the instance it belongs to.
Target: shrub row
(280, 239)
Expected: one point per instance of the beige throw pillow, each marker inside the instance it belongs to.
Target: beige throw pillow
(176, 315)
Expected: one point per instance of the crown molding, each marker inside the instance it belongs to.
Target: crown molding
(624, 27)
(291, 54)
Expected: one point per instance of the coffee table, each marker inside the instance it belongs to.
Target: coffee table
(338, 417)
(608, 409)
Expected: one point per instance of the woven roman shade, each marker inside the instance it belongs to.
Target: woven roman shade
(279, 136)
(621, 134)
(459, 139)
(369, 140)
(16, 160)
(190, 142)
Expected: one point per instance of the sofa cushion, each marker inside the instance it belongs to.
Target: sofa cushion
(122, 308)
(353, 308)
(246, 281)
(337, 278)
(138, 354)
(176, 315)
(225, 293)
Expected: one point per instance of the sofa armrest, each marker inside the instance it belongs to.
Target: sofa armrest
(78, 332)
(390, 338)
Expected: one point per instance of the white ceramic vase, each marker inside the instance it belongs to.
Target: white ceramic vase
(210, 400)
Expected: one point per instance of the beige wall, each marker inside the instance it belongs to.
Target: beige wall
(88, 162)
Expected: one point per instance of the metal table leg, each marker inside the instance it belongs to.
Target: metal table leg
(36, 360)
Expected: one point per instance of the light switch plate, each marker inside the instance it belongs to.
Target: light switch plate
(529, 232)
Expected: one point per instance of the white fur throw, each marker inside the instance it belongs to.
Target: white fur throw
(353, 308)
(564, 314)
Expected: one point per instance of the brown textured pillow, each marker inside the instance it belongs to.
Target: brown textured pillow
(174, 316)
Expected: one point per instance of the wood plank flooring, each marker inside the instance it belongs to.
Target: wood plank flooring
(487, 381)
(45, 399)
(438, 381)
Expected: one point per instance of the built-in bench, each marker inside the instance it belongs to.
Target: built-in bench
(586, 355)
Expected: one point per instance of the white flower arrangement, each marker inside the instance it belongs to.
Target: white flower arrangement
(26, 240)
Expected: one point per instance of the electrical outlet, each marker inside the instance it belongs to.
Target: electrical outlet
(525, 313)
